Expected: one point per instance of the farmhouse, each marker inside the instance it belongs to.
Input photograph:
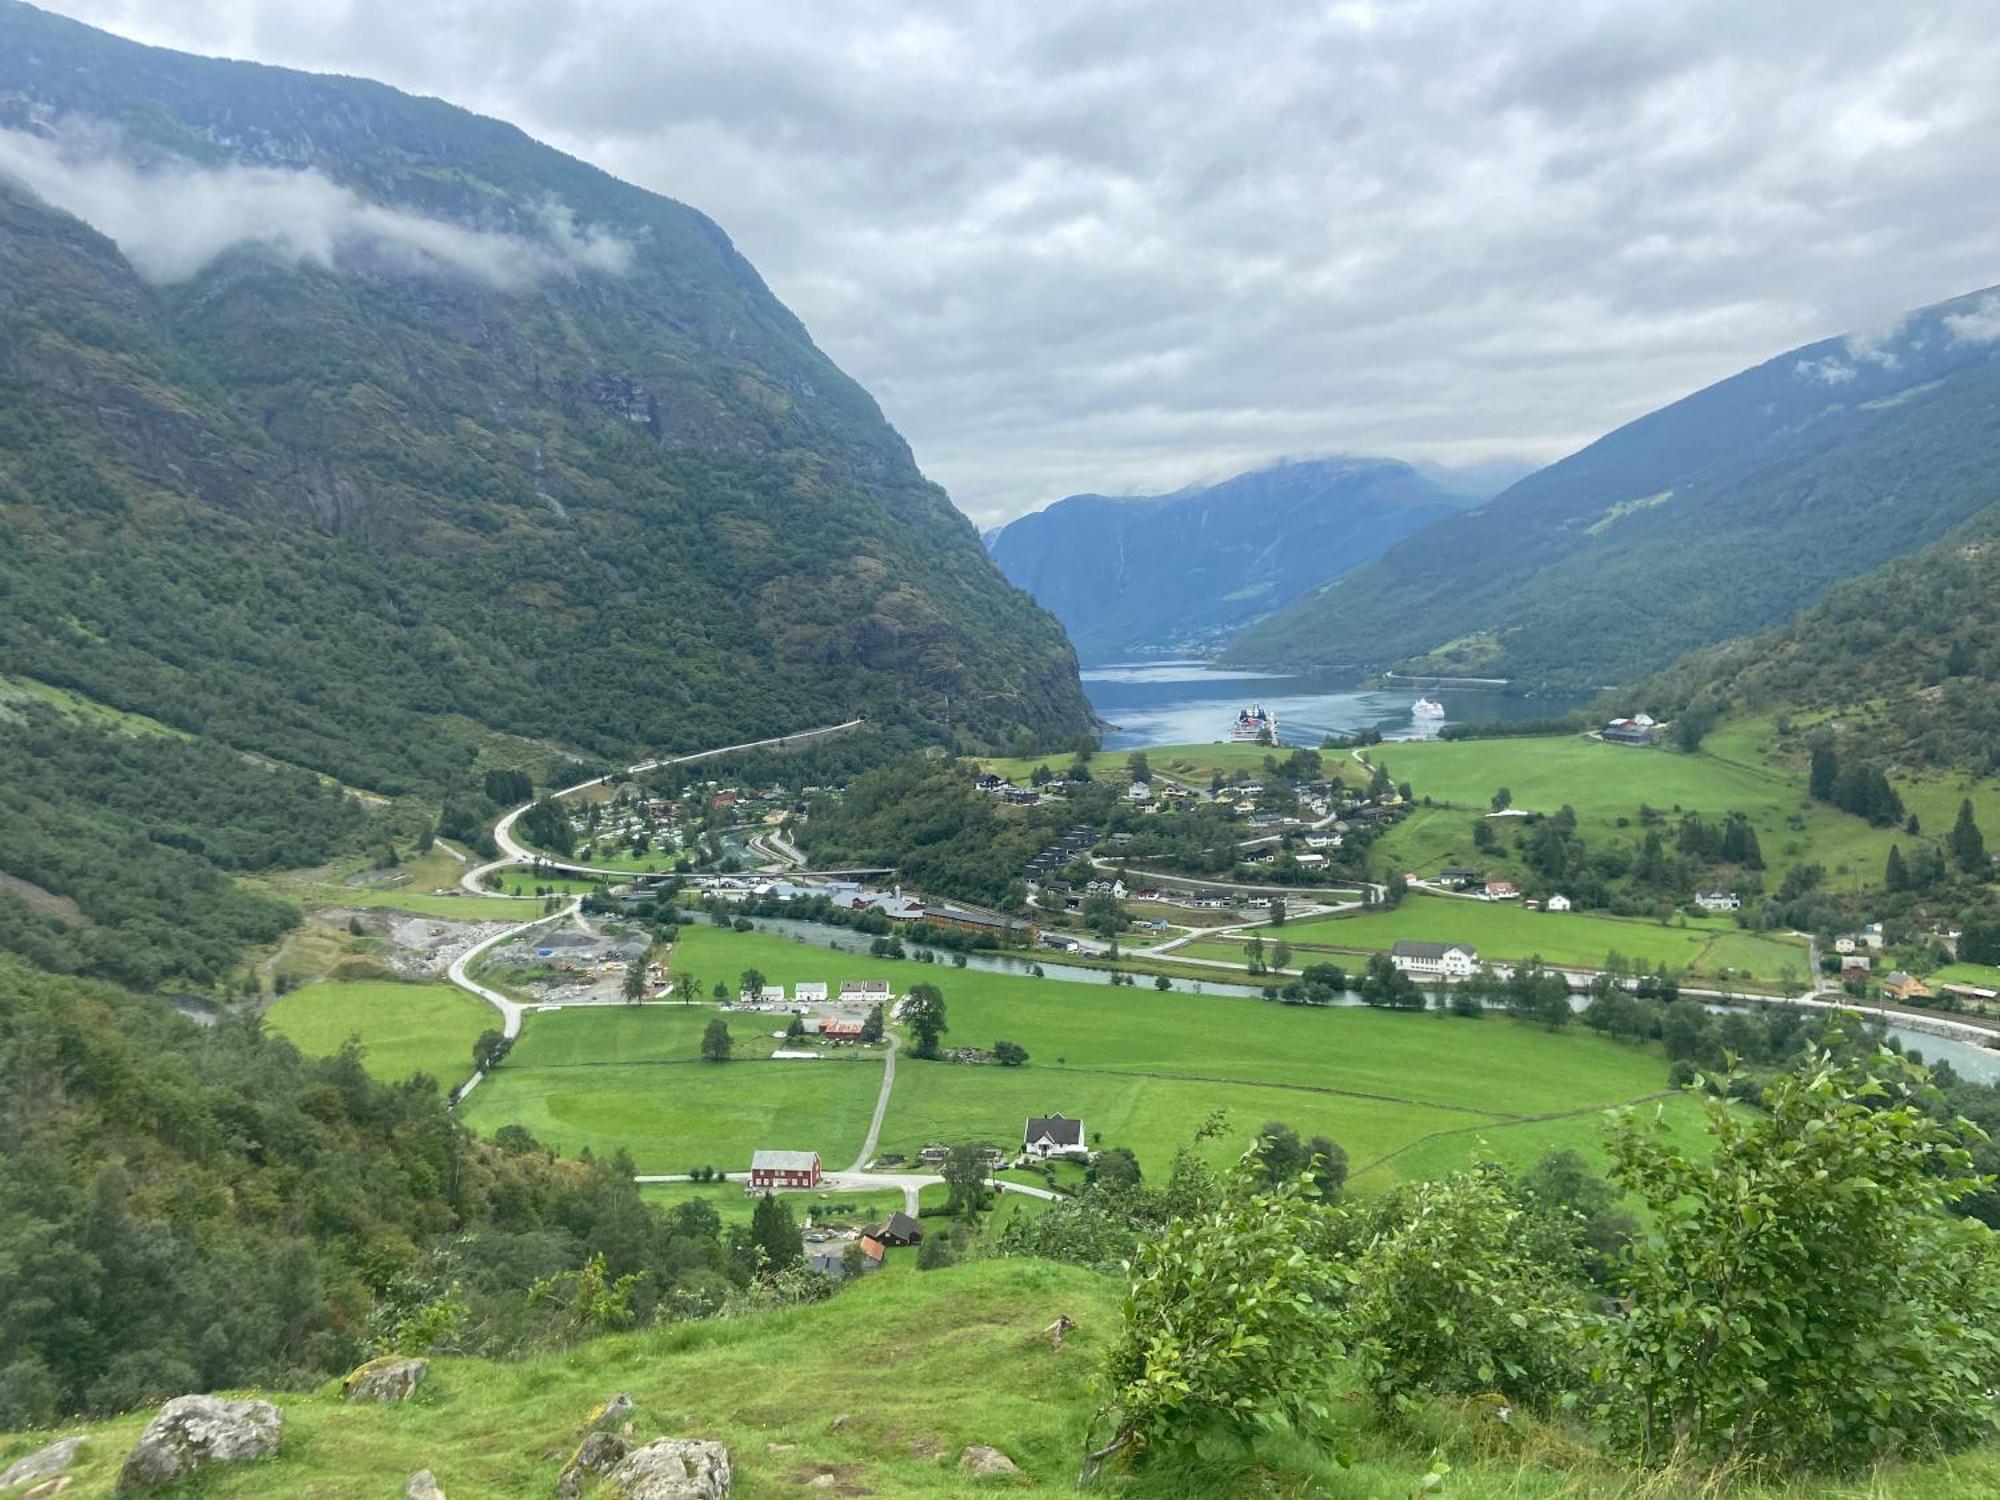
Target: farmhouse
(840, 1030)
(1638, 730)
(1559, 902)
(1855, 965)
(1052, 1135)
(898, 1229)
(1898, 985)
(784, 1169)
(864, 991)
(1459, 876)
(1501, 890)
(830, 1258)
(1434, 960)
(1718, 900)
(810, 992)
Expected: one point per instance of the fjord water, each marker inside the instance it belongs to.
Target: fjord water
(1190, 702)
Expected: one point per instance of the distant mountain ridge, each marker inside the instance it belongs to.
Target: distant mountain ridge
(1160, 575)
(1723, 513)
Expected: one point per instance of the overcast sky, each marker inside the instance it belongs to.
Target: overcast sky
(1119, 246)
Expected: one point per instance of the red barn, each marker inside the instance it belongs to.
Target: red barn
(784, 1169)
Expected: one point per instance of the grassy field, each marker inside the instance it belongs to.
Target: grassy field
(411, 887)
(1193, 763)
(1606, 783)
(1508, 932)
(1141, 1069)
(733, 1204)
(527, 883)
(881, 1388)
(404, 1028)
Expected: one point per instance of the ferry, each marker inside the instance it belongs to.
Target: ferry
(1425, 708)
(1254, 726)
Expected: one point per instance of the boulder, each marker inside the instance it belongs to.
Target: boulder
(390, 1378)
(423, 1485)
(191, 1431)
(982, 1462)
(672, 1469)
(41, 1464)
(596, 1454)
(609, 1414)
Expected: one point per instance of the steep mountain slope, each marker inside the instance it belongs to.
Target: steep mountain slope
(1163, 574)
(1904, 658)
(1720, 514)
(367, 426)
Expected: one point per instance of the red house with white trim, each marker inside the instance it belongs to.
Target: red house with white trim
(784, 1169)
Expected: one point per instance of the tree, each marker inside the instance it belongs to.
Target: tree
(1326, 1165)
(1162, 983)
(1103, 915)
(716, 1043)
(1388, 987)
(1279, 1154)
(635, 981)
(923, 1013)
(686, 987)
(1277, 911)
(491, 1046)
(1253, 953)
(775, 1233)
(964, 1172)
(1895, 875)
(1504, 799)
(1010, 1054)
(871, 1025)
(752, 983)
(1802, 1296)
(720, 992)
(1114, 1166)
(1825, 773)
(1138, 765)
(1281, 954)
(795, 1029)
(1967, 844)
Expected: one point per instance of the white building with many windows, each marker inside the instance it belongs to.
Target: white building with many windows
(1422, 960)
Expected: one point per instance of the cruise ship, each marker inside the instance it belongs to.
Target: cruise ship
(1425, 708)
(1254, 726)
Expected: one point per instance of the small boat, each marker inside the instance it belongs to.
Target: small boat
(1424, 708)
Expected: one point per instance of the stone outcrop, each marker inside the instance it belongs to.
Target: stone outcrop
(43, 1463)
(192, 1431)
(391, 1378)
(982, 1462)
(423, 1485)
(672, 1469)
(596, 1454)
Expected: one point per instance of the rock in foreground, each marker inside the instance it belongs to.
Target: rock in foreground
(191, 1431)
(672, 1469)
(387, 1379)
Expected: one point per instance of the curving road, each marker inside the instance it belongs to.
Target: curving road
(510, 1010)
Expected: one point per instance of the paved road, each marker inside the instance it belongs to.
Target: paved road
(867, 1153)
(513, 853)
(510, 1010)
(911, 1183)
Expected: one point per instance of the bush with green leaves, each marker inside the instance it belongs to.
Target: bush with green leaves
(1458, 1292)
(1804, 1298)
(1231, 1325)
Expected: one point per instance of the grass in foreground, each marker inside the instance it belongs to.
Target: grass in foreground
(404, 1028)
(917, 1365)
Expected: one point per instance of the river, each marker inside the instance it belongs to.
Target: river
(1190, 702)
(1976, 1063)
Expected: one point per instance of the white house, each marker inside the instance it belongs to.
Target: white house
(1558, 903)
(1718, 900)
(1052, 1135)
(1434, 960)
(810, 992)
(773, 994)
(1140, 792)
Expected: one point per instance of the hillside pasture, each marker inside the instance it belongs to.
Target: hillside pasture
(403, 1028)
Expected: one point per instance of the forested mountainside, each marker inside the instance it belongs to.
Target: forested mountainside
(1180, 573)
(1723, 513)
(344, 426)
(1901, 663)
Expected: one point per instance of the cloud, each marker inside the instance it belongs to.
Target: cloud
(171, 218)
(1115, 244)
(1981, 325)
(1829, 369)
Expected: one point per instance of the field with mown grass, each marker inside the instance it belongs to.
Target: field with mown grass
(1507, 932)
(733, 1203)
(881, 1388)
(403, 1028)
(1142, 1069)
(1190, 763)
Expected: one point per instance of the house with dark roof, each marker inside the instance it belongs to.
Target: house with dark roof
(898, 1229)
(1052, 1135)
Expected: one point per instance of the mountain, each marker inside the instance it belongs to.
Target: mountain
(1902, 660)
(1723, 513)
(351, 428)
(1171, 574)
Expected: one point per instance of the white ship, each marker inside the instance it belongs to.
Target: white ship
(1254, 726)
(1424, 708)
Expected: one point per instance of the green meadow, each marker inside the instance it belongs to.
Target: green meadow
(1142, 1069)
(1507, 932)
(403, 1028)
